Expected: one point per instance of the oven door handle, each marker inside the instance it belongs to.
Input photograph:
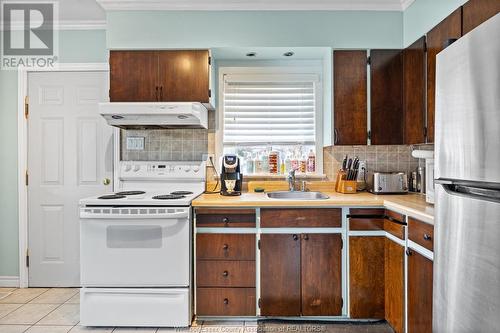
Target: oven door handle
(86, 213)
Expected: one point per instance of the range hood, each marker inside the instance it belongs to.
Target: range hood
(146, 115)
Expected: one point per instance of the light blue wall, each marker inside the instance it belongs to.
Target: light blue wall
(423, 15)
(75, 46)
(197, 29)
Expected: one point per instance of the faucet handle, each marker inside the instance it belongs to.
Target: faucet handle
(303, 186)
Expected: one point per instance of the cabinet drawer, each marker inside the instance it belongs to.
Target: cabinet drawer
(395, 216)
(421, 233)
(225, 301)
(223, 273)
(225, 246)
(394, 228)
(228, 218)
(366, 223)
(306, 217)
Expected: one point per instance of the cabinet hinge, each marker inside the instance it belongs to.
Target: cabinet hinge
(425, 46)
(369, 135)
(259, 303)
(342, 302)
(209, 60)
(369, 60)
(26, 107)
(425, 133)
(341, 243)
(27, 258)
(26, 178)
(258, 244)
(209, 92)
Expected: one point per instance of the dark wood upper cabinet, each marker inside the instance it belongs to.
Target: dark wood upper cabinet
(184, 76)
(476, 12)
(386, 97)
(280, 274)
(154, 76)
(321, 258)
(133, 76)
(419, 293)
(414, 92)
(350, 97)
(449, 28)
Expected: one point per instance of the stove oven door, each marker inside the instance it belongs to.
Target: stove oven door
(135, 247)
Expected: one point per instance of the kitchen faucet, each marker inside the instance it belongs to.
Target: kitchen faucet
(291, 180)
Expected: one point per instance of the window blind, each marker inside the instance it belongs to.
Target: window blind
(276, 112)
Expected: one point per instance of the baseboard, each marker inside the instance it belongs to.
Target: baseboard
(9, 281)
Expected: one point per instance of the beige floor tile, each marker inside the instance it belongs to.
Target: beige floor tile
(21, 296)
(5, 309)
(55, 296)
(223, 323)
(28, 314)
(49, 329)
(75, 299)
(66, 314)
(135, 330)
(83, 329)
(4, 289)
(13, 328)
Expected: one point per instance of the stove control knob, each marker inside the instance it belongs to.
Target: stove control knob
(187, 168)
(196, 169)
(172, 168)
(128, 167)
(137, 168)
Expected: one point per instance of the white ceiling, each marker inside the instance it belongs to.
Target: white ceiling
(393, 5)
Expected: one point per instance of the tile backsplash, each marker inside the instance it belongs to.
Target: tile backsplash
(166, 145)
(378, 158)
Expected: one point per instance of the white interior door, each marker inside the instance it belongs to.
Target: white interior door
(70, 154)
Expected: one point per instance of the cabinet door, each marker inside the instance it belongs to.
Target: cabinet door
(280, 274)
(414, 92)
(350, 97)
(394, 285)
(133, 76)
(449, 28)
(386, 97)
(366, 277)
(321, 264)
(419, 293)
(476, 12)
(184, 76)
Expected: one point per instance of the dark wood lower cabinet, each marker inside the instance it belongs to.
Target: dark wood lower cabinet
(321, 262)
(225, 301)
(420, 272)
(366, 274)
(280, 274)
(394, 285)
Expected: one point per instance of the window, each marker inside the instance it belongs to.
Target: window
(275, 114)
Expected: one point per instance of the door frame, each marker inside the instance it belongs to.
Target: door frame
(22, 151)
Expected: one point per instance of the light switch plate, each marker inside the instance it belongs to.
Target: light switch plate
(135, 143)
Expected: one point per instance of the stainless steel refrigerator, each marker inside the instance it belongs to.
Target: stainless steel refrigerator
(467, 176)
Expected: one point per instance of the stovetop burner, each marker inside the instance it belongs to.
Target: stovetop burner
(168, 197)
(130, 193)
(181, 193)
(111, 196)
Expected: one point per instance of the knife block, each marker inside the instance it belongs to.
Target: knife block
(345, 186)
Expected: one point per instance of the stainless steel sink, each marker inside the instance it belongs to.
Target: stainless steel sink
(297, 195)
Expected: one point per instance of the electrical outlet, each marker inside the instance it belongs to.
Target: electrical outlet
(362, 171)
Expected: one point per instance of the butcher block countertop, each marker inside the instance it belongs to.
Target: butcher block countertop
(410, 204)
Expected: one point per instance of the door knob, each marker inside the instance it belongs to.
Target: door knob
(106, 181)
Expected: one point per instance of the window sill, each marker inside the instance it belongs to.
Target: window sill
(283, 177)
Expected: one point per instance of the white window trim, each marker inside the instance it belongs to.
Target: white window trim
(269, 71)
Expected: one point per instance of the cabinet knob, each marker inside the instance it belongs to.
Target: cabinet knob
(226, 301)
(335, 136)
(409, 252)
(225, 220)
(225, 247)
(306, 237)
(225, 273)
(295, 237)
(427, 237)
(156, 93)
(106, 181)
(161, 93)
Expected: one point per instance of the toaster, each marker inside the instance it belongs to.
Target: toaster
(387, 182)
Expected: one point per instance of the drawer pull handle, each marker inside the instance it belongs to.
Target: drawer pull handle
(295, 237)
(225, 247)
(409, 252)
(427, 237)
(306, 237)
(225, 273)
(226, 301)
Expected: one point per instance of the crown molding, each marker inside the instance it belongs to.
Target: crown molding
(236, 5)
(67, 25)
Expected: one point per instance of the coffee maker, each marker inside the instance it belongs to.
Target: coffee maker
(231, 177)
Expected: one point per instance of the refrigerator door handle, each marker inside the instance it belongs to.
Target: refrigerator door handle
(472, 192)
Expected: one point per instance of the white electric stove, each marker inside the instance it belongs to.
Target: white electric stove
(135, 251)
